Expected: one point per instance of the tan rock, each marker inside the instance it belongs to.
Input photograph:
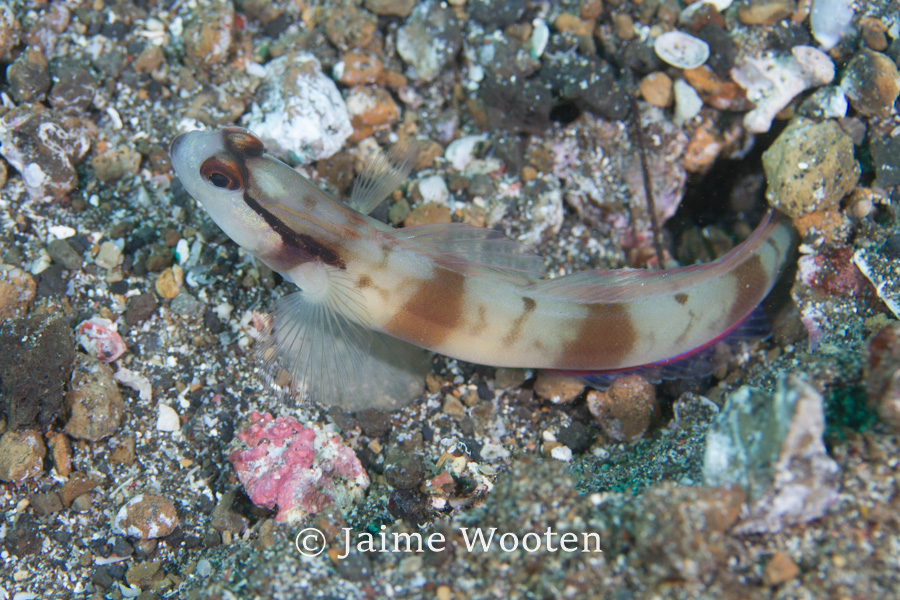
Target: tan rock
(626, 409)
(60, 453)
(94, 402)
(146, 516)
(559, 389)
(21, 455)
(766, 12)
(780, 569)
(656, 88)
(426, 213)
(169, 282)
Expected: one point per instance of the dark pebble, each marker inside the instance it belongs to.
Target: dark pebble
(481, 185)
(891, 248)
(496, 13)
(374, 423)
(140, 308)
(74, 87)
(410, 505)
(28, 76)
(160, 259)
(51, 282)
(404, 471)
(192, 541)
(212, 322)
(37, 355)
(101, 578)
(355, 567)
(119, 287)
(116, 571)
(22, 539)
(46, 503)
(121, 547)
(63, 253)
(577, 436)
(212, 539)
(886, 156)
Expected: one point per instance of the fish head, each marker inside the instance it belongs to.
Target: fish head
(217, 169)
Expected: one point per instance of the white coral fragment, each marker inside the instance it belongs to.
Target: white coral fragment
(771, 82)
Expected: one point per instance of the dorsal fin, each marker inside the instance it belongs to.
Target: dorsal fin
(381, 176)
(473, 247)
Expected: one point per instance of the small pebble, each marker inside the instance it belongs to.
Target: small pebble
(883, 374)
(146, 516)
(21, 455)
(78, 484)
(169, 282)
(656, 88)
(626, 409)
(63, 253)
(559, 389)
(780, 569)
(371, 109)
(765, 12)
(95, 405)
(810, 166)
(871, 82)
(428, 213)
(109, 256)
(167, 419)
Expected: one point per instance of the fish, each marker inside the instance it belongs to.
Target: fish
(372, 299)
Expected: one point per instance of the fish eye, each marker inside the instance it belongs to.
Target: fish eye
(222, 174)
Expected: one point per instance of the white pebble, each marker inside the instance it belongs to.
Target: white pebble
(461, 152)
(204, 568)
(61, 232)
(168, 419)
(830, 20)
(681, 50)
(563, 453)
(687, 102)
(433, 189)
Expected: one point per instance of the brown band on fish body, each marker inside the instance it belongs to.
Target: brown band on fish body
(681, 298)
(752, 284)
(434, 311)
(516, 329)
(606, 337)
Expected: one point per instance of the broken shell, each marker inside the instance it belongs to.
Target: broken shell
(681, 50)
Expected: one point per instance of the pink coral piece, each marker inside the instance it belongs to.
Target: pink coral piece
(99, 337)
(292, 467)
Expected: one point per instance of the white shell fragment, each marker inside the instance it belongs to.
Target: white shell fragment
(167, 420)
(830, 20)
(884, 274)
(681, 50)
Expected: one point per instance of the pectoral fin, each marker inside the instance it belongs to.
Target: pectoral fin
(318, 348)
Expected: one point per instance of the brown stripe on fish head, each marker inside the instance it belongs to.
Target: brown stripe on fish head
(751, 286)
(606, 336)
(242, 142)
(433, 312)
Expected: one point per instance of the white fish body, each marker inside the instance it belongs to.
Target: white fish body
(371, 295)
